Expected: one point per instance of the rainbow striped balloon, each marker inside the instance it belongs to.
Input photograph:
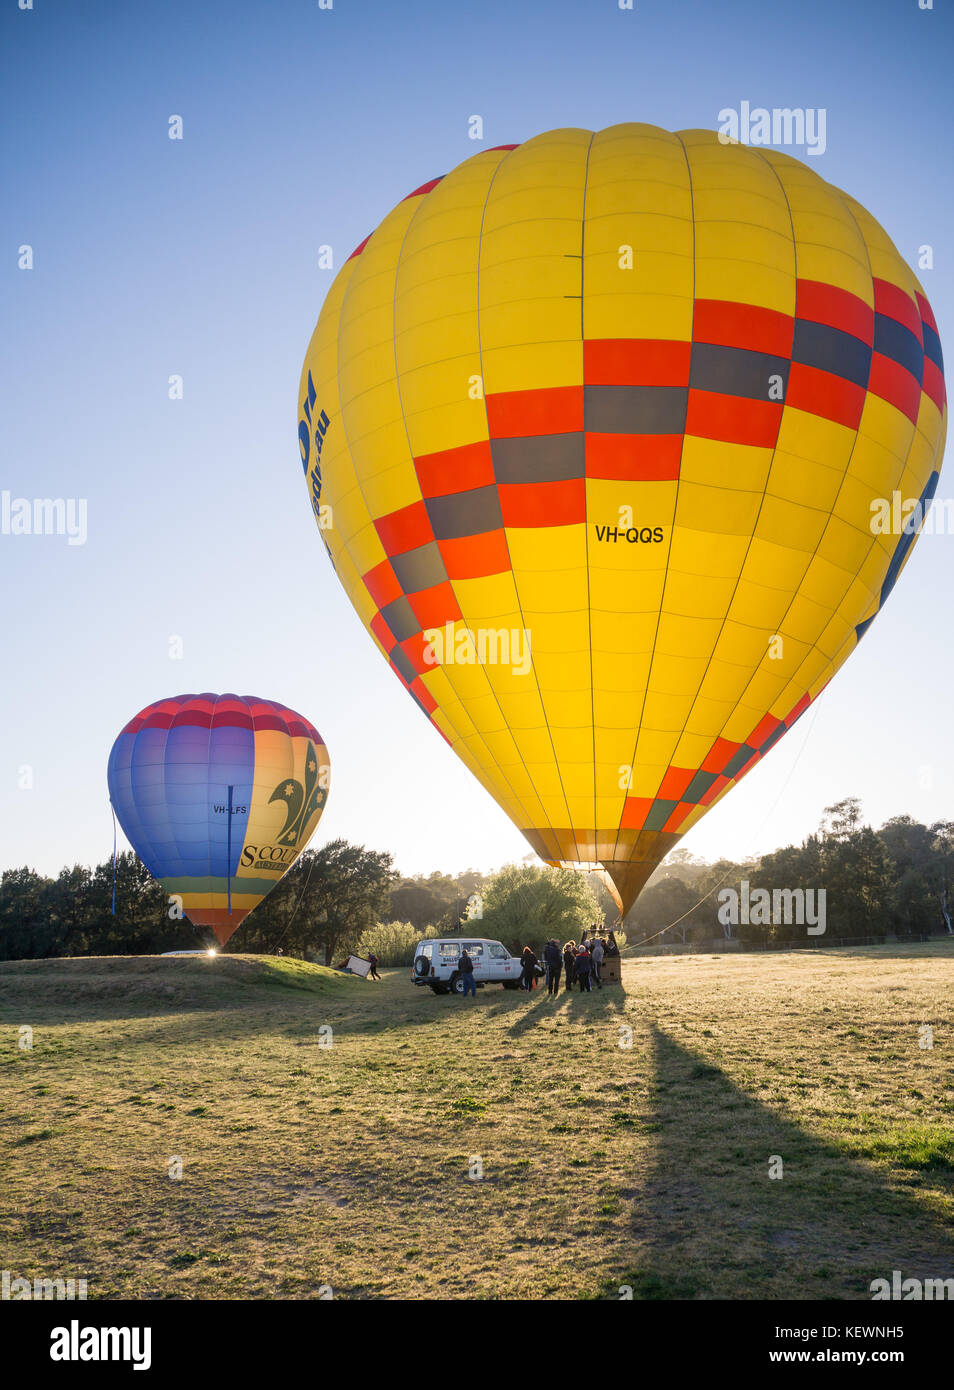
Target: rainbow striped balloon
(218, 795)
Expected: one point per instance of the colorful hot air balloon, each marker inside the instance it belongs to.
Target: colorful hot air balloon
(218, 795)
(642, 397)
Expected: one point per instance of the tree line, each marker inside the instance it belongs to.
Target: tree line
(893, 881)
(317, 911)
(334, 900)
(344, 897)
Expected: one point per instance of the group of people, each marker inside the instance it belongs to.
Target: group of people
(581, 965)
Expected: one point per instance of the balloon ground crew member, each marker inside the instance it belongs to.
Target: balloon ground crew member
(581, 968)
(553, 959)
(373, 972)
(466, 967)
(528, 962)
(569, 958)
(596, 955)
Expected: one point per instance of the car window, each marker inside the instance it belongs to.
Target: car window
(498, 952)
(474, 948)
(450, 950)
(428, 951)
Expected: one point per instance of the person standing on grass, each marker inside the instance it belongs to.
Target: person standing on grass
(553, 958)
(582, 969)
(596, 955)
(528, 963)
(569, 956)
(373, 972)
(466, 967)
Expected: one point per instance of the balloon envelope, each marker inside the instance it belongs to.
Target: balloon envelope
(218, 795)
(599, 431)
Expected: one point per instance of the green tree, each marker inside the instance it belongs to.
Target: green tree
(142, 924)
(527, 904)
(791, 868)
(322, 905)
(432, 900)
(855, 872)
(922, 859)
(25, 927)
(392, 942)
(704, 923)
(669, 900)
(913, 897)
(71, 910)
(943, 832)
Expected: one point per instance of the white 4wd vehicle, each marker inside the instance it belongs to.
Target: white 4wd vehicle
(435, 964)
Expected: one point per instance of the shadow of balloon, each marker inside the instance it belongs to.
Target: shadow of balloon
(709, 1221)
(541, 1006)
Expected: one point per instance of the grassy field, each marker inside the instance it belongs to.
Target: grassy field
(346, 1166)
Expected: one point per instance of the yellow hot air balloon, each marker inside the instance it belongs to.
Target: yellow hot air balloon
(602, 433)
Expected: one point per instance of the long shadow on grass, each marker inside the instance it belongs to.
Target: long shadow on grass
(188, 1010)
(293, 1013)
(149, 1016)
(711, 1223)
(541, 1007)
(184, 1021)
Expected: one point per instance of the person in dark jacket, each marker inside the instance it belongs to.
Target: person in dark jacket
(569, 957)
(528, 962)
(596, 957)
(373, 972)
(466, 967)
(553, 958)
(582, 969)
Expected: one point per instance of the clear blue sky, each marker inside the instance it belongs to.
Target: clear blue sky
(199, 258)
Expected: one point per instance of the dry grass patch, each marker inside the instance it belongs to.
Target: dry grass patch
(305, 1165)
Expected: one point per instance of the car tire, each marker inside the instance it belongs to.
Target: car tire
(421, 967)
(456, 984)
